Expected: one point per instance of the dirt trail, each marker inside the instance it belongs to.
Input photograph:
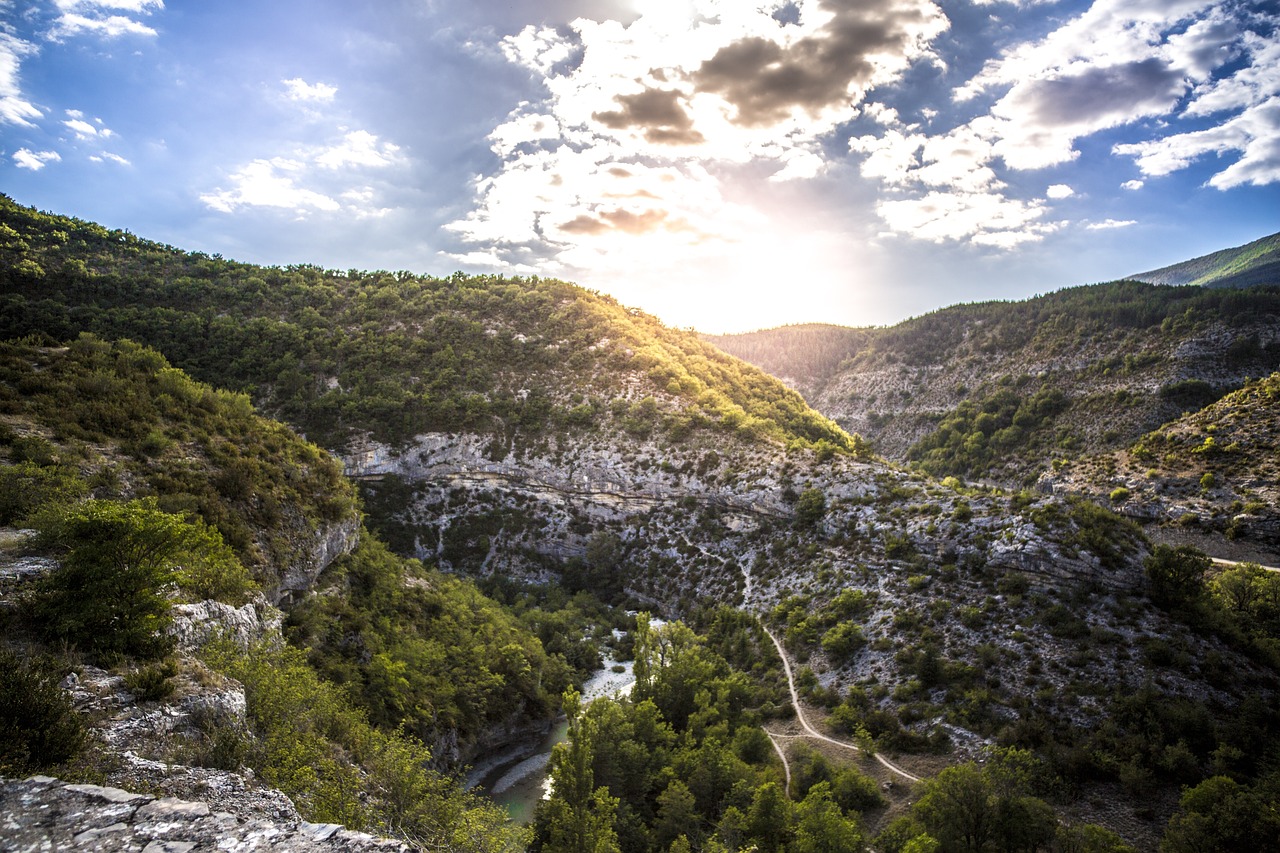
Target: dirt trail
(814, 733)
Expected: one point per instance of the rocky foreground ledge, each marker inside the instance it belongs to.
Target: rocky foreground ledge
(44, 814)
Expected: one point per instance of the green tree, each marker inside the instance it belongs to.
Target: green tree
(769, 818)
(1176, 575)
(1222, 814)
(957, 808)
(677, 814)
(811, 506)
(821, 827)
(110, 593)
(580, 816)
(38, 726)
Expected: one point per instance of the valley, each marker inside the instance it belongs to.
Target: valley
(968, 552)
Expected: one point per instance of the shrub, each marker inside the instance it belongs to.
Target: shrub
(151, 683)
(110, 594)
(38, 726)
(1119, 495)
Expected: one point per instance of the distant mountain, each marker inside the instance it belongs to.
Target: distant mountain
(996, 391)
(804, 356)
(1244, 266)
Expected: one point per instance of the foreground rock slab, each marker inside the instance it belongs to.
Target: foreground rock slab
(44, 814)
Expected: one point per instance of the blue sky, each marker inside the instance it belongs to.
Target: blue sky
(723, 164)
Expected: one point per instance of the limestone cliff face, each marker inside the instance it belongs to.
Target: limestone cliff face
(42, 813)
(692, 520)
(316, 549)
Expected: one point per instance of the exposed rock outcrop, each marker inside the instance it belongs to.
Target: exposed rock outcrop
(42, 813)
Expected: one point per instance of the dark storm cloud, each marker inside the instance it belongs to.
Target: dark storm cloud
(1098, 93)
(657, 112)
(765, 81)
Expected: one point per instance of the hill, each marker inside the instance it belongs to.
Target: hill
(1213, 470)
(150, 514)
(997, 391)
(1244, 266)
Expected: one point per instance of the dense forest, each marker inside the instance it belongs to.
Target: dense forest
(337, 353)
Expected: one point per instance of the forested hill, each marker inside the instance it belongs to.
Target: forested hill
(804, 356)
(1244, 266)
(343, 354)
(998, 390)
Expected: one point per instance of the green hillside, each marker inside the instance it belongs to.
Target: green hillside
(389, 354)
(149, 492)
(998, 390)
(1244, 266)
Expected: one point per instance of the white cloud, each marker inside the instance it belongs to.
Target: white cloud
(1111, 223)
(25, 158)
(1118, 63)
(96, 17)
(268, 183)
(358, 148)
(297, 89)
(85, 130)
(1133, 185)
(1253, 134)
(107, 155)
(312, 179)
(645, 126)
(14, 106)
(135, 6)
(986, 219)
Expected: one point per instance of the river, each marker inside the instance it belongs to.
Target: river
(520, 782)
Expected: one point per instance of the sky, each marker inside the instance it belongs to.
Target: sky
(723, 164)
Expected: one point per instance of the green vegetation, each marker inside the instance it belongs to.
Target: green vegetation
(683, 764)
(1253, 263)
(423, 652)
(109, 594)
(133, 474)
(1059, 319)
(93, 416)
(395, 354)
(38, 727)
(970, 808)
(310, 743)
(978, 432)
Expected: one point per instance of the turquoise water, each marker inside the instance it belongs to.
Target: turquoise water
(520, 785)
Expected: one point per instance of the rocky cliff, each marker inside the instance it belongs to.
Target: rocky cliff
(42, 813)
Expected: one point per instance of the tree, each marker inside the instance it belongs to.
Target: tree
(1176, 575)
(821, 827)
(769, 818)
(1221, 814)
(110, 593)
(811, 506)
(580, 816)
(677, 814)
(958, 808)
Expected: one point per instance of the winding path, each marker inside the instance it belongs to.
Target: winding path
(814, 733)
(1218, 561)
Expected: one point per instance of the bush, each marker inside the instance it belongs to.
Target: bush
(110, 594)
(151, 683)
(38, 726)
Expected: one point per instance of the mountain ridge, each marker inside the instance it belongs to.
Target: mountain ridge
(1252, 264)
